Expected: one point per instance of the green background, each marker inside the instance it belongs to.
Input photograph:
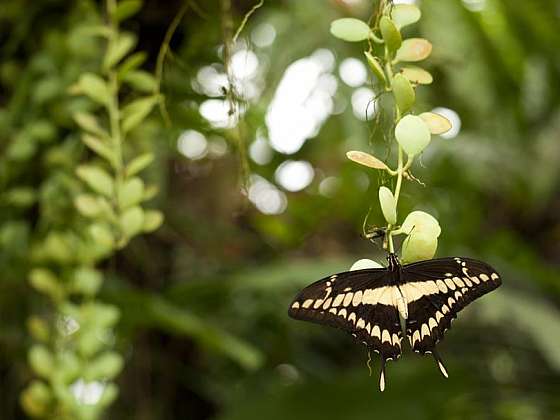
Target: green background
(204, 329)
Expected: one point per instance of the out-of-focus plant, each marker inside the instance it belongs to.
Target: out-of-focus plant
(388, 57)
(73, 357)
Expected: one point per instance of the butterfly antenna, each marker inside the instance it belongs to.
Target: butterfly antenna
(440, 364)
(368, 363)
(382, 375)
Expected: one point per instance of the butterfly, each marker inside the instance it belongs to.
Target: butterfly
(379, 306)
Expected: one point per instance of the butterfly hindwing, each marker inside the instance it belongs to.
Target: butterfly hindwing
(436, 290)
(360, 302)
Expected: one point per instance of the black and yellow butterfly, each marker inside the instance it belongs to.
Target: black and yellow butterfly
(371, 303)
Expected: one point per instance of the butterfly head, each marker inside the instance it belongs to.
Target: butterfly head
(393, 261)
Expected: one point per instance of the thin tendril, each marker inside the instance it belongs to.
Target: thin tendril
(245, 19)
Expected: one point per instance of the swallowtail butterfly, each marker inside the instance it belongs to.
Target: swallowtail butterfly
(378, 306)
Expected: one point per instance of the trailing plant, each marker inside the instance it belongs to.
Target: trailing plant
(73, 357)
(389, 57)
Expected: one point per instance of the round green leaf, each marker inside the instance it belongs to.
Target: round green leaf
(96, 178)
(152, 220)
(36, 399)
(388, 205)
(390, 34)
(350, 29)
(375, 67)
(365, 264)
(418, 247)
(365, 159)
(437, 123)
(131, 192)
(414, 49)
(413, 134)
(405, 14)
(132, 221)
(106, 366)
(421, 222)
(41, 360)
(403, 92)
(417, 75)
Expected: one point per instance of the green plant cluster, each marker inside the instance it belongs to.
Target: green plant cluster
(395, 75)
(90, 200)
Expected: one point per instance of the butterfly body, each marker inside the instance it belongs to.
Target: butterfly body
(380, 306)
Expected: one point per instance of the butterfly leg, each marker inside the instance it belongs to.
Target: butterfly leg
(439, 362)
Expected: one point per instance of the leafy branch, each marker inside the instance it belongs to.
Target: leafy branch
(388, 57)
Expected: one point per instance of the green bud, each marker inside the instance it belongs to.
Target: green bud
(388, 205)
(350, 29)
(414, 49)
(413, 134)
(405, 14)
(403, 92)
(421, 222)
(390, 34)
(418, 247)
(365, 264)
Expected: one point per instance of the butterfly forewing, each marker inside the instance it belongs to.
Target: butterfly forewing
(361, 302)
(436, 290)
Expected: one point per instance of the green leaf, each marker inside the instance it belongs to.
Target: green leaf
(102, 235)
(46, 282)
(100, 147)
(153, 219)
(89, 205)
(364, 264)
(104, 367)
(390, 34)
(86, 281)
(350, 29)
(405, 14)
(127, 8)
(421, 222)
(95, 88)
(132, 221)
(20, 197)
(131, 192)
(89, 123)
(414, 49)
(366, 159)
(403, 92)
(417, 75)
(141, 80)
(375, 67)
(412, 134)
(150, 191)
(41, 360)
(118, 49)
(36, 399)
(131, 63)
(135, 112)
(139, 163)
(110, 394)
(437, 123)
(419, 247)
(96, 178)
(38, 328)
(388, 205)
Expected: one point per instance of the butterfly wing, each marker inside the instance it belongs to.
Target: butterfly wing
(361, 302)
(436, 290)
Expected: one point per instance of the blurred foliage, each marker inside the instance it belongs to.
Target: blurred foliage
(203, 300)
